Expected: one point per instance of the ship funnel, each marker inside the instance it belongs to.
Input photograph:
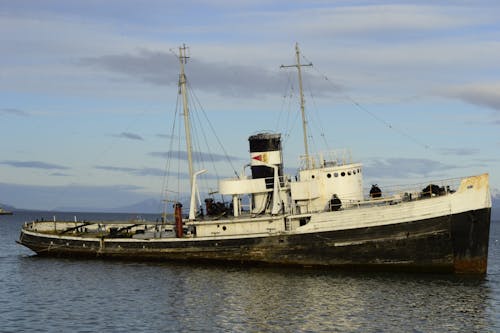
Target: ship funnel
(266, 148)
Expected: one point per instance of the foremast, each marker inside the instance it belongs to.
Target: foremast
(298, 65)
(187, 127)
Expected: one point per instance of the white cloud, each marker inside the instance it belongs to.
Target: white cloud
(377, 50)
(372, 20)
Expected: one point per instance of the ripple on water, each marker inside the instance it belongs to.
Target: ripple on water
(57, 295)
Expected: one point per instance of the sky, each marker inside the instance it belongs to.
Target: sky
(88, 91)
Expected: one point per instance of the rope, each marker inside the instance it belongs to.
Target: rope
(226, 155)
(373, 115)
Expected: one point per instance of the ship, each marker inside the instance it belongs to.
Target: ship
(323, 217)
(5, 212)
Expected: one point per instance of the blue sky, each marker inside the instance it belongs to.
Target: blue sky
(88, 89)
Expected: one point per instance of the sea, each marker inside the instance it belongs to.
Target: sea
(76, 295)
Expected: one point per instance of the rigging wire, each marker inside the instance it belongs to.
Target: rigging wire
(289, 128)
(196, 122)
(226, 155)
(288, 87)
(317, 115)
(292, 117)
(169, 160)
(360, 107)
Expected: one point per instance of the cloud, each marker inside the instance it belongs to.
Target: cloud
(128, 135)
(34, 165)
(49, 197)
(459, 151)
(162, 68)
(403, 167)
(152, 172)
(369, 20)
(14, 112)
(166, 136)
(197, 156)
(133, 171)
(59, 174)
(480, 94)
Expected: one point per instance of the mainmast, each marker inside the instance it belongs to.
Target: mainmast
(182, 84)
(298, 65)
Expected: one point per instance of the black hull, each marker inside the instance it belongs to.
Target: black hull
(451, 244)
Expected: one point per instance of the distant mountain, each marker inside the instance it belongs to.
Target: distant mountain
(152, 206)
(148, 206)
(7, 207)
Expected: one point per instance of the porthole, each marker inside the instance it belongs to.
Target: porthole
(312, 176)
(336, 174)
(329, 175)
(349, 173)
(353, 172)
(224, 228)
(359, 170)
(342, 174)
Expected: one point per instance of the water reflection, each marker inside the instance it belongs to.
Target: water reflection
(87, 296)
(288, 300)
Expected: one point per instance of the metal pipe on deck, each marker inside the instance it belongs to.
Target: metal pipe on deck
(178, 220)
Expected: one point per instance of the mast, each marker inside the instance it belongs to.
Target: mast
(298, 65)
(182, 84)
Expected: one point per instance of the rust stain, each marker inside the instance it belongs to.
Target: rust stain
(471, 266)
(475, 182)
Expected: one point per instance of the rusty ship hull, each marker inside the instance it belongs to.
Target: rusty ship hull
(450, 244)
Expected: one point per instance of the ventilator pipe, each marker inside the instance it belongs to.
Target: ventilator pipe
(192, 204)
(276, 208)
(178, 220)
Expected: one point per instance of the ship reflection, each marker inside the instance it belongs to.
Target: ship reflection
(264, 300)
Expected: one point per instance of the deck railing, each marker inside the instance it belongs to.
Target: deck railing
(325, 159)
(419, 190)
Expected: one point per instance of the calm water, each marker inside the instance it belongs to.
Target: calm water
(60, 295)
